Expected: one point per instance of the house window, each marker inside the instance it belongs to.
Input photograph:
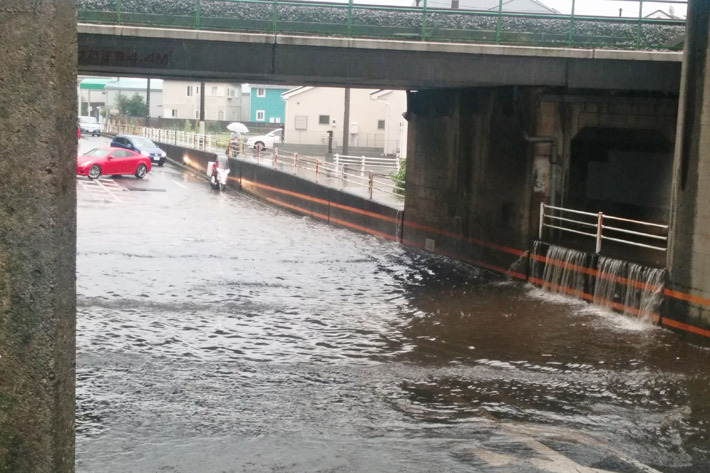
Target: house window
(278, 119)
(323, 119)
(173, 112)
(260, 115)
(261, 92)
(230, 92)
(301, 122)
(188, 92)
(380, 124)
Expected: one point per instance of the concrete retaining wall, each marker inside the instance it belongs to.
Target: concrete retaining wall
(300, 195)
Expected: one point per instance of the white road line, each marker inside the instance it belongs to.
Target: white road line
(178, 184)
(115, 197)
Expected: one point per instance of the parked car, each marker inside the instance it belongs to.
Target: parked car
(266, 141)
(89, 125)
(140, 145)
(113, 161)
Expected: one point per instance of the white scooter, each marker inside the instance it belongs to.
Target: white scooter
(218, 172)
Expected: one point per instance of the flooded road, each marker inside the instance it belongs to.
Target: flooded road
(218, 334)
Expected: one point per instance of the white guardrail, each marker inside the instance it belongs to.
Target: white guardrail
(334, 175)
(594, 225)
(348, 173)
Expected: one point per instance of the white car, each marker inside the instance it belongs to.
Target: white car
(266, 141)
(89, 125)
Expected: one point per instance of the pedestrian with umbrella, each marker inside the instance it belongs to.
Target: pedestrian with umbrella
(237, 129)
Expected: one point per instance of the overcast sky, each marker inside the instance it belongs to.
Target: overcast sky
(611, 7)
(582, 7)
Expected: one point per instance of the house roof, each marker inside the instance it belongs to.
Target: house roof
(135, 84)
(95, 83)
(268, 86)
(380, 93)
(517, 6)
(293, 92)
(662, 15)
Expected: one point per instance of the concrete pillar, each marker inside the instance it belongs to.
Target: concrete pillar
(37, 235)
(689, 246)
(469, 173)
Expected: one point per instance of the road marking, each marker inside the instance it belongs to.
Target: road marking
(109, 192)
(178, 184)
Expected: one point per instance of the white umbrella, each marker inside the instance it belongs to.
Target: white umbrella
(237, 127)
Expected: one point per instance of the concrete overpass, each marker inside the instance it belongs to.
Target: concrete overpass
(335, 61)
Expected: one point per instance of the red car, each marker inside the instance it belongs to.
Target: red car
(112, 161)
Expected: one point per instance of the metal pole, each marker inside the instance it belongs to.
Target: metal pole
(350, 18)
(276, 157)
(370, 184)
(295, 163)
(571, 26)
(424, 21)
(317, 162)
(600, 220)
(500, 20)
(346, 120)
(274, 17)
(638, 35)
(542, 217)
(147, 103)
(202, 107)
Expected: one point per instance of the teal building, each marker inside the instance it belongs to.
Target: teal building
(267, 106)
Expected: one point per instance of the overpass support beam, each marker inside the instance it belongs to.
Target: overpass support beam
(688, 258)
(37, 235)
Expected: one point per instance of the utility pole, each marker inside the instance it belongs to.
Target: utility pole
(147, 104)
(202, 108)
(346, 121)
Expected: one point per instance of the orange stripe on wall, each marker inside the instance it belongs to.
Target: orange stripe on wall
(324, 202)
(686, 327)
(687, 297)
(493, 246)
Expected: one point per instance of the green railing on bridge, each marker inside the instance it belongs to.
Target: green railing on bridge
(422, 23)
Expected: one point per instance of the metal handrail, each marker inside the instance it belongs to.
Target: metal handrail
(546, 218)
(421, 23)
(324, 173)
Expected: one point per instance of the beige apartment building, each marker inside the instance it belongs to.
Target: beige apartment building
(224, 101)
(375, 117)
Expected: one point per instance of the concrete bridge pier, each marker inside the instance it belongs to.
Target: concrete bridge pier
(37, 235)
(689, 246)
(469, 173)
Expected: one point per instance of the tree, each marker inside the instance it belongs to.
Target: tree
(130, 107)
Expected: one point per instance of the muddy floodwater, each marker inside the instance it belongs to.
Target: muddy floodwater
(219, 334)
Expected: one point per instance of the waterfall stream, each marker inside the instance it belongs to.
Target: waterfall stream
(630, 288)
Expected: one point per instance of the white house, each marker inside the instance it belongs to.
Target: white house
(311, 112)
(516, 6)
(130, 87)
(395, 125)
(223, 100)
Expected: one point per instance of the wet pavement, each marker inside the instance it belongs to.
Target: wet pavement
(219, 334)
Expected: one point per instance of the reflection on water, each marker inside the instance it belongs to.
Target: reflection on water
(218, 334)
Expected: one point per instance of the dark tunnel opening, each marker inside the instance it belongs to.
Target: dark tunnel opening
(621, 172)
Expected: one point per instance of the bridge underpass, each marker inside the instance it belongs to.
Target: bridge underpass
(510, 219)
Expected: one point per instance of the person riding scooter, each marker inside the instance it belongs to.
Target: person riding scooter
(218, 172)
